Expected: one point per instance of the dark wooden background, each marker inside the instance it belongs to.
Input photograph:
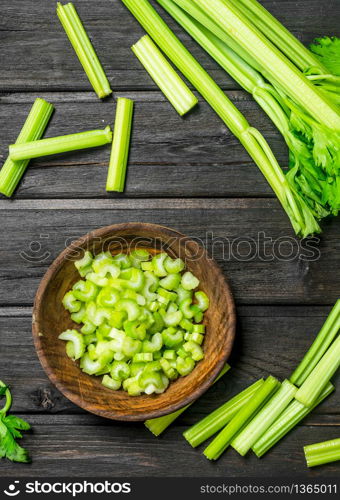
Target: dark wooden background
(189, 174)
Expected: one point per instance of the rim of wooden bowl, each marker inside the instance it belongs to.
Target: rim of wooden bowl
(133, 228)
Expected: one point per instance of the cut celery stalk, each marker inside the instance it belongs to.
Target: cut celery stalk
(277, 66)
(164, 75)
(302, 219)
(214, 422)
(264, 419)
(120, 145)
(160, 424)
(225, 437)
(291, 416)
(84, 49)
(62, 144)
(322, 342)
(279, 35)
(322, 453)
(312, 387)
(33, 129)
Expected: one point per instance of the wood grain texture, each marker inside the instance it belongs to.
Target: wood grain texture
(74, 446)
(251, 240)
(176, 169)
(50, 318)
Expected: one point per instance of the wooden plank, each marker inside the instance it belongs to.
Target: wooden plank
(251, 239)
(36, 54)
(71, 446)
(167, 152)
(270, 340)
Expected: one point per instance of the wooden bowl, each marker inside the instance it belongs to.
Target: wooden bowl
(50, 319)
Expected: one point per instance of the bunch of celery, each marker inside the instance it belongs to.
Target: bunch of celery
(303, 218)
(263, 414)
(240, 36)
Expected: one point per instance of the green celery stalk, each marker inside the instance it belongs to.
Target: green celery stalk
(315, 383)
(289, 419)
(214, 422)
(33, 129)
(197, 13)
(322, 342)
(225, 437)
(160, 424)
(279, 35)
(277, 66)
(62, 144)
(322, 453)
(300, 215)
(264, 419)
(161, 71)
(120, 145)
(84, 49)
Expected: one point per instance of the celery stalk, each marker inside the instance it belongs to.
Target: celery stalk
(33, 129)
(161, 71)
(264, 419)
(322, 342)
(225, 437)
(195, 12)
(320, 376)
(277, 66)
(322, 453)
(291, 416)
(279, 35)
(300, 215)
(84, 49)
(62, 144)
(158, 425)
(120, 145)
(214, 422)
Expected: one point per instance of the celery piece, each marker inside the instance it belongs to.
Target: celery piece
(214, 422)
(78, 342)
(158, 425)
(322, 453)
(120, 145)
(301, 217)
(304, 156)
(225, 437)
(312, 387)
(62, 144)
(291, 416)
(164, 75)
(324, 339)
(84, 49)
(277, 66)
(279, 35)
(33, 129)
(265, 418)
